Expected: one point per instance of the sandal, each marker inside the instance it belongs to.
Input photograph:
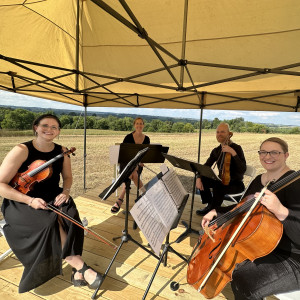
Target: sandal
(77, 282)
(97, 281)
(116, 209)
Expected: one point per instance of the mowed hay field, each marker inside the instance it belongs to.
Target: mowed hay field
(99, 172)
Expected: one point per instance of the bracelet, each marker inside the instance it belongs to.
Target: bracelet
(67, 190)
(29, 204)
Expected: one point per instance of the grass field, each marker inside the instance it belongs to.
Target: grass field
(100, 172)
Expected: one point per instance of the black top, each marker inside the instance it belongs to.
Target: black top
(237, 162)
(130, 140)
(289, 244)
(33, 234)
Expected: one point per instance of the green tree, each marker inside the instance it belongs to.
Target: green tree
(188, 127)
(178, 127)
(101, 124)
(295, 130)
(66, 121)
(18, 119)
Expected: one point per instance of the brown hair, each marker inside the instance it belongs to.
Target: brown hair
(279, 141)
(138, 118)
(37, 121)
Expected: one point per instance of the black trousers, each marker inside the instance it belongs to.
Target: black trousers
(215, 198)
(268, 275)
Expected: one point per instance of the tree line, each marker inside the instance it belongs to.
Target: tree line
(21, 119)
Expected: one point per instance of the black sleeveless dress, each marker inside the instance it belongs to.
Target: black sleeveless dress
(33, 235)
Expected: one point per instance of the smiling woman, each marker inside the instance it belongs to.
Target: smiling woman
(37, 236)
(278, 270)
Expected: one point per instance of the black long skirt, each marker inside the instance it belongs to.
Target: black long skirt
(34, 237)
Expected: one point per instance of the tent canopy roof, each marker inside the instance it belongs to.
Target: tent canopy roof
(233, 55)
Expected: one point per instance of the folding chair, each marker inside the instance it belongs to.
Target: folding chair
(295, 295)
(6, 253)
(250, 172)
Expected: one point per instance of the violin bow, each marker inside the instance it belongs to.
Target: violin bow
(66, 216)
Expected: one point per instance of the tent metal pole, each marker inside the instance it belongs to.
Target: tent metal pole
(84, 149)
(183, 46)
(200, 133)
(77, 47)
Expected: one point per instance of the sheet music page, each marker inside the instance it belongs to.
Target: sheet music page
(174, 187)
(154, 214)
(150, 223)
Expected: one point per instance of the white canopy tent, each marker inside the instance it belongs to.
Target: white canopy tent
(218, 54)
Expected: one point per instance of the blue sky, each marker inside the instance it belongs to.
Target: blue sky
(280, 118)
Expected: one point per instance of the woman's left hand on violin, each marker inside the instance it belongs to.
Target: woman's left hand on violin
(61, 198)
(226, 148)
(273, 204)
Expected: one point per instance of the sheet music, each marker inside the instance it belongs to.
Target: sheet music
(150, 223)
(155, 213)
(174, 186)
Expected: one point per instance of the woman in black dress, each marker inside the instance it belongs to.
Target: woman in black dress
(279, 271)
(135, 137)
(38, 237)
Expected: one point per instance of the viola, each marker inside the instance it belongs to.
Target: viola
(37, 171)
(226, 159)
(231, 239)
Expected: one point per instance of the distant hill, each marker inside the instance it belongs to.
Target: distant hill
(123, 115)
(59, 112)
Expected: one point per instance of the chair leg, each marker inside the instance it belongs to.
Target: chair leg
(6, 253)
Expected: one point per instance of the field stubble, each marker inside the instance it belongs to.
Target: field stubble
(99, 172)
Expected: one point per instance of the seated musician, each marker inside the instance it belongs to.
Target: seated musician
(232, 155)
(38, 237)
(135, 137)
(278, 271)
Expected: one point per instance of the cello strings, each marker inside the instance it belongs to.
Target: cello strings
(229, 215)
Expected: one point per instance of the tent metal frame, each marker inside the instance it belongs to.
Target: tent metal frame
(88, 97)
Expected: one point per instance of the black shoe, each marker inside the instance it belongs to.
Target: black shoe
(97, 281)
(77, 282)
(204, 211)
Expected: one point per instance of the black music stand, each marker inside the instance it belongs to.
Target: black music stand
(124, 177)
(167, 245)
(154, 155)
(197, 169)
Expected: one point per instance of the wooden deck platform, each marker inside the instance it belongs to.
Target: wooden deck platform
(131, 271)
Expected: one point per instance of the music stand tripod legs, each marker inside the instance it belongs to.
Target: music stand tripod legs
(163, 258)
(188, 227)
(124, 238)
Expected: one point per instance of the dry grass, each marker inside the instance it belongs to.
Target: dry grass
(100, 172)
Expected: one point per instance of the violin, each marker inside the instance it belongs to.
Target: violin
(37, 171)
(238, 235)
(225, 163)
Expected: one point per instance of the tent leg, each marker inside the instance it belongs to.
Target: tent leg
(84, 151)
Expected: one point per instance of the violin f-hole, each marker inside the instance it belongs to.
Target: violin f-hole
(214, 249)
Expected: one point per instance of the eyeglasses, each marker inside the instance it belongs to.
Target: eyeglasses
(46, 126)
(273, 153)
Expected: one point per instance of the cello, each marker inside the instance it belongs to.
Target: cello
(232, 239)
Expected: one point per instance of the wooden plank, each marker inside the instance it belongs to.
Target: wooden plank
(132, 269)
